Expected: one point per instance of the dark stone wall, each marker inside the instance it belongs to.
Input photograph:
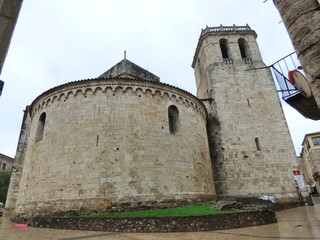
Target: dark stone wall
(9, 11)
(159, 224)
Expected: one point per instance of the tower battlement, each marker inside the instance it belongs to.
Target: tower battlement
(224, 32)
(221, 28)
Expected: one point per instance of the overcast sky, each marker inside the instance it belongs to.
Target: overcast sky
(58, 41)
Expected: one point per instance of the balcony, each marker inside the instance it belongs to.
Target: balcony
(306, 106)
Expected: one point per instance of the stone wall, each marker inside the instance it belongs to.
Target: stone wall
(9, 11)
(15, 179)
(302, 20)
(160, 224)
(251, 148)
(107, 141)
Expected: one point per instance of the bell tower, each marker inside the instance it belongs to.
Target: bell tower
(251, 148)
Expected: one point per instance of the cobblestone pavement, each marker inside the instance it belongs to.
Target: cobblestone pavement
(297, 223)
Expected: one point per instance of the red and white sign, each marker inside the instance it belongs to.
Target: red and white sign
(298, 179)
(297, 79)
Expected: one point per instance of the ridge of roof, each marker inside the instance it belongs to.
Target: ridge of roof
(127, 67)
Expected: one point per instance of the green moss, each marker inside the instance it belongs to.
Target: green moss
(204, 209)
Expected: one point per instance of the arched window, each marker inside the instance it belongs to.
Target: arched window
(173, 114)
(224, 48)
(258, 146)
(243, 48)
(40, 129)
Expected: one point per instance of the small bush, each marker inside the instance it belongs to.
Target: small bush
(4, 185)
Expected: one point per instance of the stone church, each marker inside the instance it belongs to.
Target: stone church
(125, 137)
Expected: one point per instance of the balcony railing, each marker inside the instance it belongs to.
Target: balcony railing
(225, 29)
(280, 70)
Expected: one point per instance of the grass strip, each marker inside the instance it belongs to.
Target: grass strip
(204, 209)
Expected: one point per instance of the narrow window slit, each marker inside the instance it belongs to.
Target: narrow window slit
(40, 128)
(173, 114)
(258, 146)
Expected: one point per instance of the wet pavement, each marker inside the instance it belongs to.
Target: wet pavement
(297, 223)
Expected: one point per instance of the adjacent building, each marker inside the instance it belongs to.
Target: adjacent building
(310, 155)
(6, 163)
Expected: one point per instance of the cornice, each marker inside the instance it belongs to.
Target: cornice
(63, 92)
